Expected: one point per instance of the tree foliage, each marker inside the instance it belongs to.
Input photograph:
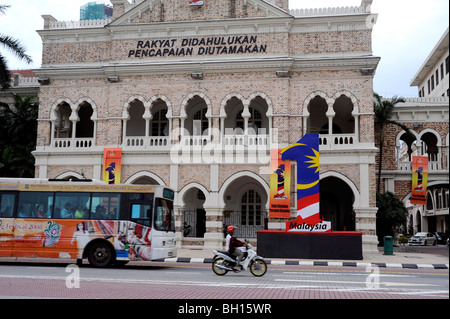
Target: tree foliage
(18, 133)
(15, 47)
(391, 215)
(383, 112)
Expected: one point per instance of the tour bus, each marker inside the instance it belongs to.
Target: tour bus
(107, 224)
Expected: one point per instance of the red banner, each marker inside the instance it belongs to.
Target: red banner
(280, 186)
(419, 180)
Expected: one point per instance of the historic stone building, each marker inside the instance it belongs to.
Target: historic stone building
(428, 119)
(196, 93)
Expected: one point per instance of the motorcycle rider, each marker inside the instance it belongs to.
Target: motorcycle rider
(233, 246)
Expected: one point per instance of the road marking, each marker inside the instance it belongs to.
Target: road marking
(352, 282)
(339, 274)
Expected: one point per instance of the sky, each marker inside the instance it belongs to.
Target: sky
(405, 33)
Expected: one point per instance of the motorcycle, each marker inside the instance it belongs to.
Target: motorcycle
(224, 263)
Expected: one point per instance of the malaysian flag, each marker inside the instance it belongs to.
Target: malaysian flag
(196, 3)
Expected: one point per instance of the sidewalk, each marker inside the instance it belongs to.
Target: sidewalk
(400, 259)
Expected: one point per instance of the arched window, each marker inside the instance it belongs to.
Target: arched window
(318, 120)
(251, 209)
(429, 201)
(85, 126)
(408, 148)
(63, 126)
(200, 122)
(136, 123)
(429, 146)
(160, 124)
(255, 121)
(343, 120)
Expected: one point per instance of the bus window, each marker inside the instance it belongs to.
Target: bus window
(164, 216)
(7, 202)
(105, 206)
(142, 214)
(35, 205)
(72, 205)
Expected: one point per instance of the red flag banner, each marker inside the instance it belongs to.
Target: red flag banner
(419, 180)
(280, 186)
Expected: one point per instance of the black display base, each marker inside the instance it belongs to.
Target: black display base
(345, 245)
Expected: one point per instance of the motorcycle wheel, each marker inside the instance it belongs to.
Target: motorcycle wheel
(258, 268)
(219, 271)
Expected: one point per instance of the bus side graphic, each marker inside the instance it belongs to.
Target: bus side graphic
(68, 238)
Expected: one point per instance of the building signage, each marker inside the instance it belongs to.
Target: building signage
(419, 180)
(306, 153)
(280, 186)
(197, 46)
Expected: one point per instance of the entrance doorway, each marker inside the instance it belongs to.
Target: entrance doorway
(194, 216)
(336, 204)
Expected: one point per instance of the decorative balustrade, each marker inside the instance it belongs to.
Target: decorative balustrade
(337, 141)
(73, 142)
(149, 142)
(327, 11)
(246, 140)
(79, 24)
(407, 166)
(25, 82)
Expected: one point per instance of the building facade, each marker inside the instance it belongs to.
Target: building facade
(196, 95)
(432, 79)
(428, 119)
(24, 83)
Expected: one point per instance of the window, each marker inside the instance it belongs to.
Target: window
(432, 82)
(142, 214)
(35, 205)
(429, 202)
(200, 122)
(442, 71)
(429, 87)
(164, 216)
(7, 202)
(160, 124)
(255, 121)
(72, 205)
(437, 77)
(447, 66)
(105, 206)
(251, 209)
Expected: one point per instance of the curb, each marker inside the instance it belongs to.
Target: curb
(317, 263)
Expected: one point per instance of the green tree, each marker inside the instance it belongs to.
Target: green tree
(383, 112)
(391, 215)
(14, 46)
(18, 133)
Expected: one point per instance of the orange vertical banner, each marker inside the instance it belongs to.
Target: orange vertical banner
(112, 158)
(280, 186)
(419, 180)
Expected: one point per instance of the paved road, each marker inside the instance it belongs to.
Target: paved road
(197, 281)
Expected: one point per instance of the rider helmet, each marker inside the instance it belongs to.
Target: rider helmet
(230, 229)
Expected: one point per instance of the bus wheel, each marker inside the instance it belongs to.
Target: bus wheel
(100, 254)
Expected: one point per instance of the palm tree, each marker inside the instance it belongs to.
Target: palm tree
(14, 46)
(383, 110)
(18, 133)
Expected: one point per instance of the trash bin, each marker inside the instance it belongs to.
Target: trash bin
(388, 245)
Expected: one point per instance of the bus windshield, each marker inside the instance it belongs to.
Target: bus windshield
(164, 215)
